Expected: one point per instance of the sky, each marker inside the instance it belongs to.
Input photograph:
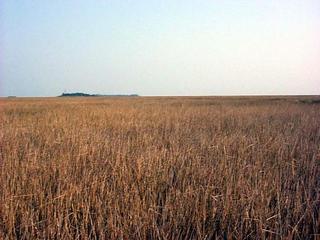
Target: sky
(153, 47)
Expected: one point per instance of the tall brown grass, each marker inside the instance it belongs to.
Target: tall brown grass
(159, 168)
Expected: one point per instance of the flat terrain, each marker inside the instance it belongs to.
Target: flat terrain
(160, 168)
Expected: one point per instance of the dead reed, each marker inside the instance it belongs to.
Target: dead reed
(159, 168)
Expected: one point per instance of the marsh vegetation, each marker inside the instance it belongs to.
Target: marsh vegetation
(159, 168)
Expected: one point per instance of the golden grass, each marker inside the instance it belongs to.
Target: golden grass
(159, 168)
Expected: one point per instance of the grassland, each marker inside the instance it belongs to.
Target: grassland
(159, 168)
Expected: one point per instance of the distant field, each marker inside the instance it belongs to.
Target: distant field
(160, 168)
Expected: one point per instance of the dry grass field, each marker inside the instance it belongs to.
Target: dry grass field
(159, 168)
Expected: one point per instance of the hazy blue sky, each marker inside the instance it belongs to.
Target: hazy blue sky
(164, 47)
